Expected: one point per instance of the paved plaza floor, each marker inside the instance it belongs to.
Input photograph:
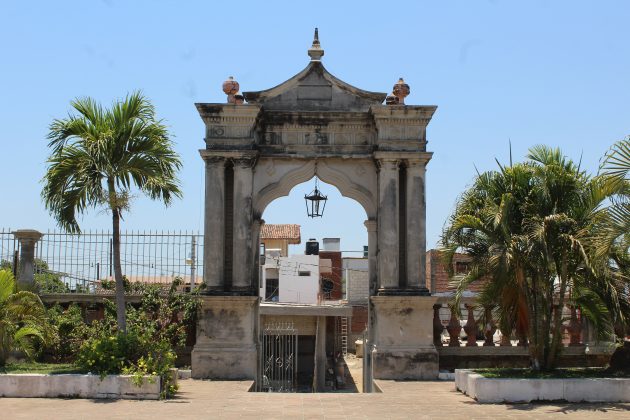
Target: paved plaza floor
(230, 400)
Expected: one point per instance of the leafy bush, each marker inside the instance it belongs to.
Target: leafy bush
(23, 322)
(129, 353)
(70, 331)
(161, 323)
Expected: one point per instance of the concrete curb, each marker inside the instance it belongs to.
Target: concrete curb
(487, 390)
(78, 386)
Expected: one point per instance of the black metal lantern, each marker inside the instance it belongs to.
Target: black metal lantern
(315, 208)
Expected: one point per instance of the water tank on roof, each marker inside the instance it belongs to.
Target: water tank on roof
(332, 244)
(312, 247)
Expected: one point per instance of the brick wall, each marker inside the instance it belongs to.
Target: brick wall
(335, 276)
(437, 276)
(359, 319)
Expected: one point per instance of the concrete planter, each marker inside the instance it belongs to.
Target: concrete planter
(487, 390)
(78, 386)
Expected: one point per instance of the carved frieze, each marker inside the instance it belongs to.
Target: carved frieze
(317, 136)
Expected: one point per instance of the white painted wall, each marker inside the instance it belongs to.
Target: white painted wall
(295, 288)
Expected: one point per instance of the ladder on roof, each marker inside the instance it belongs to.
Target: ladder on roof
(344, 335)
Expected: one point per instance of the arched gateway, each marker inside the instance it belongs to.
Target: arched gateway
(315, 124)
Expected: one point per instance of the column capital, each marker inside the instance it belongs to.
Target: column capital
(371, 225)
(388, 163)
(215, 160)
(417, 163)
(27, 235)
(244, 162)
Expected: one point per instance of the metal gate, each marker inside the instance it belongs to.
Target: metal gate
(278, 358)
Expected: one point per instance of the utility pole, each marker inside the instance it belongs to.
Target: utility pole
(193, 243)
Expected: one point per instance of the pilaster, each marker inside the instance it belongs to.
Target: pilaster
(242, 257)
(416, 223)
(214, 224)
(388, 242)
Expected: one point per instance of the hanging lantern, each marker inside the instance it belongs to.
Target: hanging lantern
(314, 206)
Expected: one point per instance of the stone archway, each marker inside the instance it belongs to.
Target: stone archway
(315, 124)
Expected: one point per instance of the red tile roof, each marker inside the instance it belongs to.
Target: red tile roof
(290, 232)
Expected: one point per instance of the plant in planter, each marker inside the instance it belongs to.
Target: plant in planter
(532, 231)
(23, 321)
(154, 329)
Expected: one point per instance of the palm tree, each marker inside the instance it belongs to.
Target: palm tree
(98, 156)
(22, 319)
(529, 229)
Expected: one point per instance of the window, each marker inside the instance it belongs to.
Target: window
(271, 291)
(462, 268)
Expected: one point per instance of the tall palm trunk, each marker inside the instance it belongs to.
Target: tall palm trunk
(557, 322)
(120, 286)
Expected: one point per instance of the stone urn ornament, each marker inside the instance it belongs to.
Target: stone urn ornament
(401, 91)
(231, 88)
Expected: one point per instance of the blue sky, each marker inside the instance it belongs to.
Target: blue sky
(552, 72)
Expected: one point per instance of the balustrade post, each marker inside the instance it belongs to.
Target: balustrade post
(471, 327)
(437, 325)
(453, 328)
(574, 329)
(506, 335)
(490, 328)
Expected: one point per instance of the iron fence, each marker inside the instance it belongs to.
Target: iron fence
(83, 261)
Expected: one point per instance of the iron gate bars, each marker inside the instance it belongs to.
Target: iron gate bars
(278, 358)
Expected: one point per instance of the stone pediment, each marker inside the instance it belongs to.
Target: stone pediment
(315, 89)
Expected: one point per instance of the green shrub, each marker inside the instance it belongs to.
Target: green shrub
(130, 354)
(109, 354)
(70, 331)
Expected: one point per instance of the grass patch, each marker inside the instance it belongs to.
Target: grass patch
(45, 368)
(568, 373)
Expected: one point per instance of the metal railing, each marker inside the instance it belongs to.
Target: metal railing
(83, 261)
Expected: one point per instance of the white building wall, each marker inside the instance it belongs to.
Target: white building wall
(296, 288)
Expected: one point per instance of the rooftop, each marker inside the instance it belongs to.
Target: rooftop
(282, 231)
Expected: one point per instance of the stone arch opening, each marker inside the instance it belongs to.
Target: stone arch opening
(316, 125)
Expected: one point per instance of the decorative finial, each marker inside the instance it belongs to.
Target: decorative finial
(230, 88)
(316, 52)
(399, 93)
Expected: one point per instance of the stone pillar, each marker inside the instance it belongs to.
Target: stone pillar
(26, 271)
(256, 226)
(404, 348)
(416, 225)
(320, 354)
(227, 335)
(242, 257)
(371, 226)
(388, 225)
(214, 224)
